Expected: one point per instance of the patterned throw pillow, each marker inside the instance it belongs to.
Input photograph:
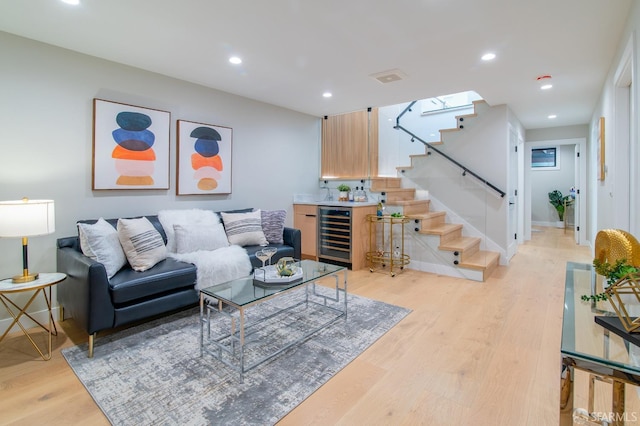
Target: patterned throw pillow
(244, 229)
(142, 243)
(273, 225)
(99, 241)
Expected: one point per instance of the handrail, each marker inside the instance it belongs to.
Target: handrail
(465, 170)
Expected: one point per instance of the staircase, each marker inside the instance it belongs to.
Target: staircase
(464, 250)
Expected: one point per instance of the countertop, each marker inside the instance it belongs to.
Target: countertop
(338, 203)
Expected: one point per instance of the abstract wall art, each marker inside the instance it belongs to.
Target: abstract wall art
(204, 159)
(130, 146)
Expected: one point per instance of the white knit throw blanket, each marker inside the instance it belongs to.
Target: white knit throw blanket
(217, 266)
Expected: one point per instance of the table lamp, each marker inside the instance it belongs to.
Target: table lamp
(26, 218)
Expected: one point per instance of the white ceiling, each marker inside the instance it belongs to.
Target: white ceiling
(294, 50)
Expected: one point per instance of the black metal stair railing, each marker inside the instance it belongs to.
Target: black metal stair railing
(465, 170)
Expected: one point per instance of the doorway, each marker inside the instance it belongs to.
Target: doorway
(577, 147)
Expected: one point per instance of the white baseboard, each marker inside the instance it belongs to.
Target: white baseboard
(556, 224)
(26, 322)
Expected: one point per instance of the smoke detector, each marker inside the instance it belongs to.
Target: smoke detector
(389, 76)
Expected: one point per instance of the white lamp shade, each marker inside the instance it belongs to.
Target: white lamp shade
(27, 218)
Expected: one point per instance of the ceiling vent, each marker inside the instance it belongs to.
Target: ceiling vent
(389, 76)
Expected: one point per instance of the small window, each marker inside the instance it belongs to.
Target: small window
(544, 158)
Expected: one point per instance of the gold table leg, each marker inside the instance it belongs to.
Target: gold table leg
(23, 311)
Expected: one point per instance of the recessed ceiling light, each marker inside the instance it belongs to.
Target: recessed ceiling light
(488, 56)
(235, 60)
(546, 86)
(73, 2)
(327, 94)
(552, 116)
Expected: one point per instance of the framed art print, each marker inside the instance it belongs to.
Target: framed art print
(130, 146)
(601, 167)
(204, 159)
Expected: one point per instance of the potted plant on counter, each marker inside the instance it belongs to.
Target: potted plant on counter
(344, 192)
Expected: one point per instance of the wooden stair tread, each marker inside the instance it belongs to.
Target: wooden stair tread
(481, 260)
(453, 129)
(393, 190)
(442, 229)
(383, 183)
(460, 244)
(425, 216)
(408, 202)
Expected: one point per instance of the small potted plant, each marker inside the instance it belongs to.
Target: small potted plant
(344, 192)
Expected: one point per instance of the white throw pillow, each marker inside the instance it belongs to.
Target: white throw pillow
(142, 243)
(169, 218)
(244, 229)
(99, 241)
(194, 237)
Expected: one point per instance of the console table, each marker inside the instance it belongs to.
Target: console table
(588, 346)
(40, 285)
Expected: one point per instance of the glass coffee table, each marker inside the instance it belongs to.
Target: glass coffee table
(245, 338)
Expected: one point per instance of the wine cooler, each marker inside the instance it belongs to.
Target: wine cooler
(334, 234)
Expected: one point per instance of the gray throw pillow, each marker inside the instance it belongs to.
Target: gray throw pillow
(99, 241)
(273, 225)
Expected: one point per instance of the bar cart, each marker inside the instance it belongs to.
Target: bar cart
(386, 243)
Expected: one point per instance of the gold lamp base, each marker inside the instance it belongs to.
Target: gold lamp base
(25, 278)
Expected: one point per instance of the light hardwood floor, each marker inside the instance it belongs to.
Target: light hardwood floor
(470, 353)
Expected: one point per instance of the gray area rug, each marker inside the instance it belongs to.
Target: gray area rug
(153, 373)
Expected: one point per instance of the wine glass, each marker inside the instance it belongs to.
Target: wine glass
(263, 256)
(270, 251)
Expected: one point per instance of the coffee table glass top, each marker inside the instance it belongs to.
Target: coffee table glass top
(245, 291)
(582, 337)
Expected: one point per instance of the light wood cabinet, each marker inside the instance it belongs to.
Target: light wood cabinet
(305, 218)
(360, 235)
(350, 145)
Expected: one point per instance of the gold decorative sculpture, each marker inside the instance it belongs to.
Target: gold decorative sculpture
(621, 249)
(615, 244)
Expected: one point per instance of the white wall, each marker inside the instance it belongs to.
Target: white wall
(606, 197)
(556, 133)
(395, 146)
(544, 181)
(46, 139)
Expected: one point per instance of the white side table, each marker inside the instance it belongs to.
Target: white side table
(45, 281)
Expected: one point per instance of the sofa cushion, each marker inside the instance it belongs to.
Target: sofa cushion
(142, 243)
(244, 229)
(273, 225)
(194, 237)
(166, 276)
(99, 241)
(170, 218)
